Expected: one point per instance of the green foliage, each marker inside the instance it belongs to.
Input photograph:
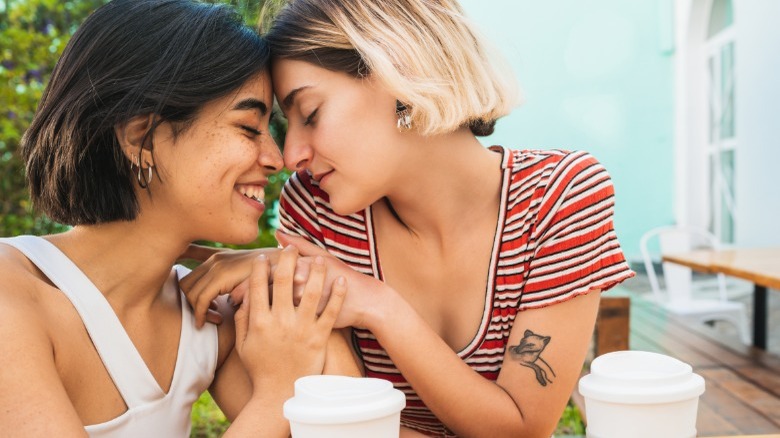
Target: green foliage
(207, 420)
(570, 422)
(33, 34)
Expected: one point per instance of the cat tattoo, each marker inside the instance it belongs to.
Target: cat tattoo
(528, 353)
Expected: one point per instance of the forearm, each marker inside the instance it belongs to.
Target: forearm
(262, 416)
(460, 397)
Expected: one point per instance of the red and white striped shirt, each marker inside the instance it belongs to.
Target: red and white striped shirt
(554, 240)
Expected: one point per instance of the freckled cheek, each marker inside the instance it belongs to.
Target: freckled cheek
(215, 162)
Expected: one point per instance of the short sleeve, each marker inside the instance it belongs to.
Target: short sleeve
(297, 212)
(576, 248)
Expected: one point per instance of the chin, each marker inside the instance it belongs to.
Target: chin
(239, 238)
(345, 209)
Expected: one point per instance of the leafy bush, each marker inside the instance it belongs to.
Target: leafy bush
(33, 34)
(207, 420)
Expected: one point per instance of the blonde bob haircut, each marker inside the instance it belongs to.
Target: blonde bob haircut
(426, 52)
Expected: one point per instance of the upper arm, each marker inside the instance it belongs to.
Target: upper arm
(544, 358)
(575, 244)
(576, 256)
(341, 359)
(33, 400)
(231, 388)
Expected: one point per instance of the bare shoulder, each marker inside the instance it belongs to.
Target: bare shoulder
(29, 377)
(20, 298)
(23, 332)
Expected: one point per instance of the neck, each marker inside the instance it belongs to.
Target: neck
(451, 181)
(127, 261)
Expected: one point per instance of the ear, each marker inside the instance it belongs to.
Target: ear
(134, 140)
(528, 333)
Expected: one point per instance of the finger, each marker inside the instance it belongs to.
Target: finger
(238, 293)
(333, 308)
(200, 298)
(313, 290)
(304, 246)
(199, 271)
(302, 268)
(214, 317)
(241, 319)
(258, 287)
(283, 280)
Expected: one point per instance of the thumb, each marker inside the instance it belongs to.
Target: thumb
(305, 247)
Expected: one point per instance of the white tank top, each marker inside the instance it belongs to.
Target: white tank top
(150, 411)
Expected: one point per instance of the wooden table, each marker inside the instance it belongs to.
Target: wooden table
(748, 436)
(759, 265)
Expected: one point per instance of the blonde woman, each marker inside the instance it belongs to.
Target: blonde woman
(156, 107)
(475, 273)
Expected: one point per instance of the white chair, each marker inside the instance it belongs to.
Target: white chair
(678, 295)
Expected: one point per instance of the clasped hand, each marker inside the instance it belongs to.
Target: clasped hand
(227, 273)
(269, 336)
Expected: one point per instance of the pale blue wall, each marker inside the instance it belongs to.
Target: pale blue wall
(596, 76)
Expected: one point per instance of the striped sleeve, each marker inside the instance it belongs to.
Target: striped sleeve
(576, 249)
(297, 210)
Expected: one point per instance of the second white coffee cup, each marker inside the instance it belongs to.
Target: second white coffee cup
(344, 407)
(640, 394)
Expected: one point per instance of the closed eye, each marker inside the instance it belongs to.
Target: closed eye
(251, 130)
(310, 119)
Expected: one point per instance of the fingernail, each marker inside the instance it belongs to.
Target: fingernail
(319, 260)
(341, 281)
(262, 257)
(289, 248)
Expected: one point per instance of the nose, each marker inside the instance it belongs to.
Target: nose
(297, 151)
(270, 157)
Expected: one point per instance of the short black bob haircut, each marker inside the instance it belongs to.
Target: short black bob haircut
(129, 58)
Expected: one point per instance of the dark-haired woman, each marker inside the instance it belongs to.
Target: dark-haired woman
(156, 115)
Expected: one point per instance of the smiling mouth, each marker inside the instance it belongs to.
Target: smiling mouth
(320, 176)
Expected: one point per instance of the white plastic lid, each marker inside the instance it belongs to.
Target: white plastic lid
(640, 377)
(341, 399)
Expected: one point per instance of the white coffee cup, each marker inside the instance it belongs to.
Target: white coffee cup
(344, 407)
(640, 394)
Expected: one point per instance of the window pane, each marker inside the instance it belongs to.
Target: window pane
(721, 17)
(727, 191)
(712, 100)
(713, 209)
(727, 90)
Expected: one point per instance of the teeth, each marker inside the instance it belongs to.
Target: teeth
(260, 200)
(252, 192)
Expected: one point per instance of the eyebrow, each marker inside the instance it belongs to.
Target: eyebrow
(251, 104)
(290, 98)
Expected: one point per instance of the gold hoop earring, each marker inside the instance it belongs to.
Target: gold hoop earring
(404, 122)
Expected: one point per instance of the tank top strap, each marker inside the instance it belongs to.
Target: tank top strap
(122, 361)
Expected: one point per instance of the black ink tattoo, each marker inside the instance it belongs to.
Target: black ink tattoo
(529, 351)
